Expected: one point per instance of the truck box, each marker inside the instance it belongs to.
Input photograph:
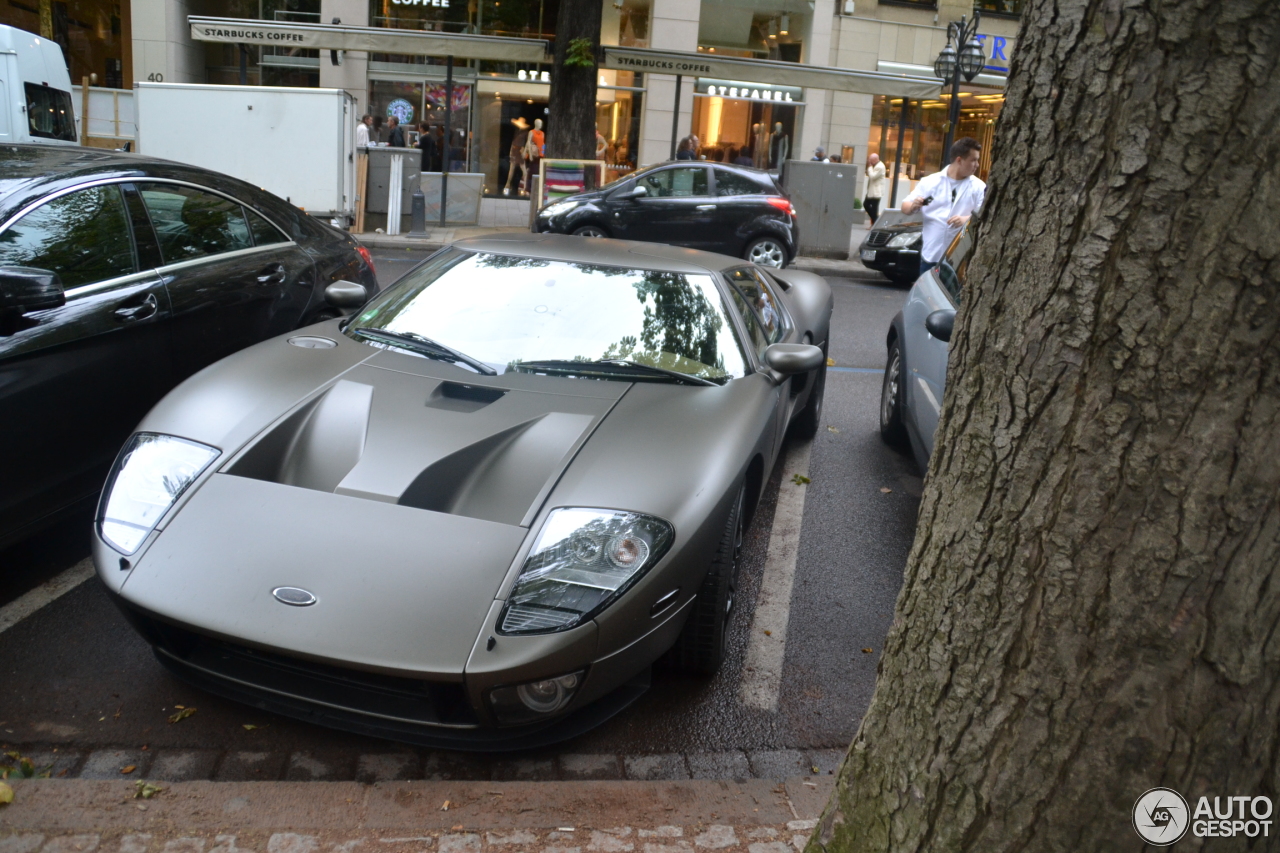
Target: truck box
(296, 143)
(35, 90)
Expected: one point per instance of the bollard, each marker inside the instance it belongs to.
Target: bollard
(418, 215)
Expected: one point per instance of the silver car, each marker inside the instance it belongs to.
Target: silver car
(915, 372)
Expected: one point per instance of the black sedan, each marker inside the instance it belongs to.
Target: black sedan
(120, 276)
(715, 207)
(893, 246)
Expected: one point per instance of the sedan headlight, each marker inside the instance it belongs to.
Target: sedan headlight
(150, 474)
(557, 208)
(582, 561)
(902, 241)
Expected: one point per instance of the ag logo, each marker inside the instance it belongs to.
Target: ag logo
(1161, 817)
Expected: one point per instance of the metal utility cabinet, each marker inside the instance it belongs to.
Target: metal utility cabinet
(296, 143)
(823, 194)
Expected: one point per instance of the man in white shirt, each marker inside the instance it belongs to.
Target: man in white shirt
(362, 131)
(875, 188)
(948, 199)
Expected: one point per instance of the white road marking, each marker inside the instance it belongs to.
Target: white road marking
(46, 593)
(766, 648)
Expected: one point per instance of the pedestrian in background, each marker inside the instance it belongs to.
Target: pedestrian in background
(819, 155)
(948, 199)
(685, 151)
(875, 188)
(427, 145)
(362, 131)
(395, 134)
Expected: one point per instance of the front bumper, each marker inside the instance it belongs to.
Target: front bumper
(435, 714)
(898, 264)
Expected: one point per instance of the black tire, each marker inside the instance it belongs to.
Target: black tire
(805, 424)
(703, 644)
(767, 252)
(892, 427)
(590, 231)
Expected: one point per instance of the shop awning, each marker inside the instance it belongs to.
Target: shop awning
(770, 71)
(984, 79)
(371, 39)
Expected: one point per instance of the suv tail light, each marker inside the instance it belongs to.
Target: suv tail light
(368, 259)
(782, 204)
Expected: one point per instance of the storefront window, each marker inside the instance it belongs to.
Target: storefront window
(91, 33)
(415, 103)
(926, 130)
(744, 28)
(266, 65)
(1012, 8)
(748, 123)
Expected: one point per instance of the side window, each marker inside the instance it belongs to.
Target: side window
(756, 293)
(49, 113)
(759, 340)
(264, 233)
(732, 183)
(192, 224)
(676, 183)
(952, 269)
(82, 236)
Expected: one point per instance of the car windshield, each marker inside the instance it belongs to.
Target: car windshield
(537, 315)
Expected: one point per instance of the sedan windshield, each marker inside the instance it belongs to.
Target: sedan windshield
(545, 316)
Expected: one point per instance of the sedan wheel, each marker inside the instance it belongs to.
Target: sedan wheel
(704, 642)
(892, 428)
(767, 252)
(589, 231)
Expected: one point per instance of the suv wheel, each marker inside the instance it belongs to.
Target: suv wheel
(767, 252)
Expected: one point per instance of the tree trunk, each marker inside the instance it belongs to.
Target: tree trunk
(1090, 608)
(571, 123)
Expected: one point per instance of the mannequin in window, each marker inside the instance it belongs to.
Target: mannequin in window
(515, 156)
(534, 148)
(759, 145)
(779, 147)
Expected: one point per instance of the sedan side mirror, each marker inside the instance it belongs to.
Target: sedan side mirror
(941, 323)
(346, 294)
(790, 359)
(26, 289)
(628, 195)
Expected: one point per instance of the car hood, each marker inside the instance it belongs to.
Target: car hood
(396, 490)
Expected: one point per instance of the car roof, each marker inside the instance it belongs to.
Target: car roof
(601, 250)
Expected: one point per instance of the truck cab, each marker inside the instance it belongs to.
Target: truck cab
(35, 90)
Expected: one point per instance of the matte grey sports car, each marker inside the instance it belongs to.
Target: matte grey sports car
(476, 511)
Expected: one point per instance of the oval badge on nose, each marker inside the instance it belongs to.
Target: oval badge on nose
(293, 596)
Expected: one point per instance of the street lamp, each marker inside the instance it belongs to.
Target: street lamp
(950, 65)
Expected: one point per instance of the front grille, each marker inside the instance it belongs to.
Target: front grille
(407, 699)
(878, 238)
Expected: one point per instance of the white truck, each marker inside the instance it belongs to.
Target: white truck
(296, 143)
(35, 90)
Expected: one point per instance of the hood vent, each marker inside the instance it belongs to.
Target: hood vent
(456, 397)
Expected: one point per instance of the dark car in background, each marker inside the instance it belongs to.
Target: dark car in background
(716, 207)
(893, 246)
(120, 276)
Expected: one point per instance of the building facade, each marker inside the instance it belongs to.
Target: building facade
(495, 103)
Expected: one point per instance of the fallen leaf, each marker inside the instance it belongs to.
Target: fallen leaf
(248, 727)
(181, 715)
(179, 707)
(866, 651)
(102, 719)
(145, 790)
(129, 768)
(884, 490)
(815, 769)
(445, 807)
(832, 429)
(800, 479)
(457, 828)
(831, 362)
(6, 794)
(768, 633)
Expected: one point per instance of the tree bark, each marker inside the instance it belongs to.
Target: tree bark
(1091, 604)
(571, 125)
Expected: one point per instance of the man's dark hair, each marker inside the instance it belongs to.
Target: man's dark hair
(962, 146)
(366, 116)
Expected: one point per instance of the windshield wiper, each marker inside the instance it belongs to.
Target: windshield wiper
(423, 345)
(569, 366)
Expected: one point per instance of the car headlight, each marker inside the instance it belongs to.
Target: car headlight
(902, 241)
(582, 561)
(150, 474)
(556, 208)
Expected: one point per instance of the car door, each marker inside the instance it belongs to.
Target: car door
(75, 380)
(739, 202)
(926, 356)
(233, 278)
(678, 209)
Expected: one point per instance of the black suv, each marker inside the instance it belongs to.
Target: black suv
(893, 246)
(715, 207)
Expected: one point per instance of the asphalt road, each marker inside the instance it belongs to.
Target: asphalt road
(79, 680)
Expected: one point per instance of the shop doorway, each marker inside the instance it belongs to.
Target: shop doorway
(741, 129)
(505, 122)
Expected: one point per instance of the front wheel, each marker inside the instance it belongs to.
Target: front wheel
(704, 642)
(805, 425)
(892, 427)
(767, 252)
(590, 231)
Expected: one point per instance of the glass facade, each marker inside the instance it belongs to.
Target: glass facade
(92, 34)
(926, 129)
(260, 65)
(755, 30)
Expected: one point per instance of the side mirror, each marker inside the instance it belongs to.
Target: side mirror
(790, 359)
(346, 294)
(941, 323)
(26, 289)
(635, 192)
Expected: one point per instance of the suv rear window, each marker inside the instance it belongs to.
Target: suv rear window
(49, 113)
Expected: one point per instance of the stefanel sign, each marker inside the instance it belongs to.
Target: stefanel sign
(748, 91)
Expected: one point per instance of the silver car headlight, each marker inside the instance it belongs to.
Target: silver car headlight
(150, 474)
(902, 241)
(556, 208)
(582, 561)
